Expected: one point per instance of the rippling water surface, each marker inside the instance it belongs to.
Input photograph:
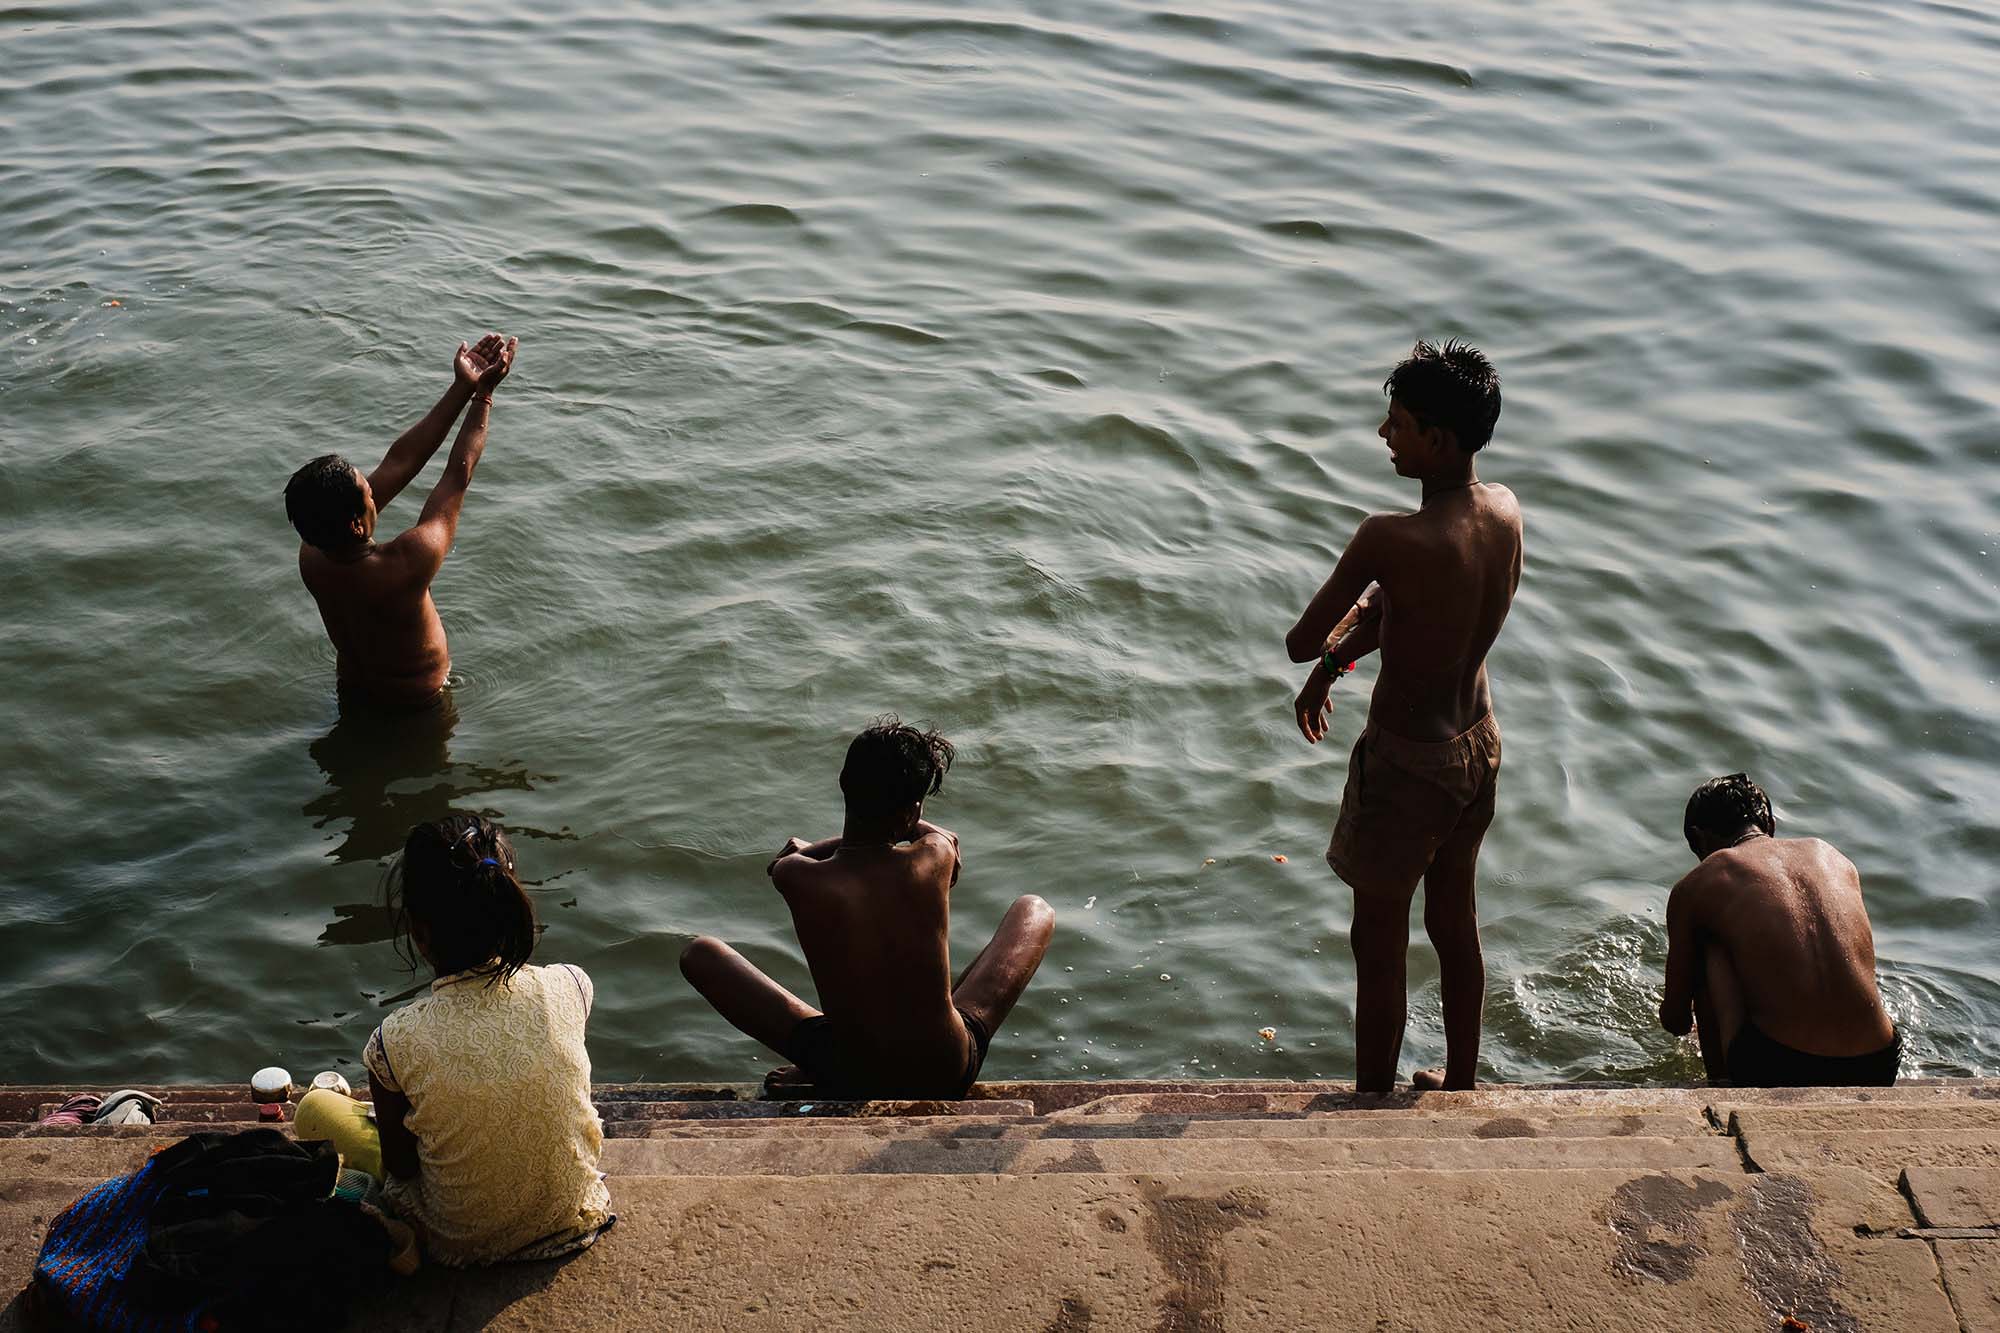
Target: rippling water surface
(1013, 368)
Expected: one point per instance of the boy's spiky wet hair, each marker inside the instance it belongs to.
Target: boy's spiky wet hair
(1453, 386)
(892, 765)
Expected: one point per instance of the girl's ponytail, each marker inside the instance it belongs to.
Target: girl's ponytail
(454, 894)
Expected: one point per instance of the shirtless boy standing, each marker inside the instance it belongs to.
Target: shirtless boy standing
(1769, 949)
(375, 601)
(872, 908)
(1420, 782)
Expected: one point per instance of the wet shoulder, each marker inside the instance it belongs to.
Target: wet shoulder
(1819, 858)
(1500, 507)
(1732, 877)
(802, 877)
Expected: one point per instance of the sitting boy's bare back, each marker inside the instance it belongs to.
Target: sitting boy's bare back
(872, 908)
(875, 926)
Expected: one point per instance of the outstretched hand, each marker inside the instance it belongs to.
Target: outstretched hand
(485, 363)
(1314, 706)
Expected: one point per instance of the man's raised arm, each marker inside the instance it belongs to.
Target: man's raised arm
(430, 540)
(414, 447)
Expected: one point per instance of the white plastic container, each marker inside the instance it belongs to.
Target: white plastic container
(269, 1088)
(331, 1081)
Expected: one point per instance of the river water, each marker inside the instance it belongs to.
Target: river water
(1013, 368)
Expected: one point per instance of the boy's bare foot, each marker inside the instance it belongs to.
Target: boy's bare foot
(787, 1081)
(1432, 1080)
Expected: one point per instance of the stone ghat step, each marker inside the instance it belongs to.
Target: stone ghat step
(1610, 1249)
(1672, 1124)
(102, 1158)
(1970, 1115)
(808, 1109)
(833, 1156)
(1194, 1117)
(1954, 1196)
(1883, 1152)
(27, 1103)
(18, 1099)
(1022, 1128)
(237, 1114)
(1522, 1100)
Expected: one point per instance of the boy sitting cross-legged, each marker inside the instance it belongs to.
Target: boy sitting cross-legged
(872, 908)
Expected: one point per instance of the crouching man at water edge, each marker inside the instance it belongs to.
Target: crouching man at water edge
(1430, 590)
(375, 601)
(1770, 955)
(872, 909)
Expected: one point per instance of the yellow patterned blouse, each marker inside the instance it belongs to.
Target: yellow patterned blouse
(499, 1090)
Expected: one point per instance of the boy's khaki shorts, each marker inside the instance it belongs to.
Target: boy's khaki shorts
(1406, 799)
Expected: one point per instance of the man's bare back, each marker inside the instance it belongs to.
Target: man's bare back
(378, 612)
(1770, 953)
(1785, 916)
(375, 600)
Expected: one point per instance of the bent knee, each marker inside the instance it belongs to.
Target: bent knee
(701, 955)
(1034, 910)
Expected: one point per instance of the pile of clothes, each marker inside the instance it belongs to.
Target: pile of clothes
(246, 1231)
(128, 1106)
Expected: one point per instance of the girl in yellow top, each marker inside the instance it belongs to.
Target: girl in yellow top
(482, 1087)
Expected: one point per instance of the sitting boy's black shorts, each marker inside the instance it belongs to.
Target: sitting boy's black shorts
(817, 1048)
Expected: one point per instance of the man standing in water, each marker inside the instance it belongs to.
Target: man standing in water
(1769, 950)
(1431, 590)
(375, 601)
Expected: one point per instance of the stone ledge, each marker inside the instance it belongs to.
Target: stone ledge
(1065, 1207)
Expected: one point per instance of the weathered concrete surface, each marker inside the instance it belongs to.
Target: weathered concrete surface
(1884, 1152)
(1399, 1249)
(1849, 1117)
(1180, 1208)
(834, 1156)
(1402, 1250)
(1971, 1273)
(1505, 1100)
(1954, 1196)
(1674, 1124)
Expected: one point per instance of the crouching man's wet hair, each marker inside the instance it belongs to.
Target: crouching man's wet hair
(1722, 808)
(891, 766)
(321, 499)
(1453, 386)
(455, 884)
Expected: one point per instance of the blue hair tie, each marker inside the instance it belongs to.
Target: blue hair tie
(486, 861)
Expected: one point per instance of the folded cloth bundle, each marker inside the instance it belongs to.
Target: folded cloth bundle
(74, 1111)
(128, 1106)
